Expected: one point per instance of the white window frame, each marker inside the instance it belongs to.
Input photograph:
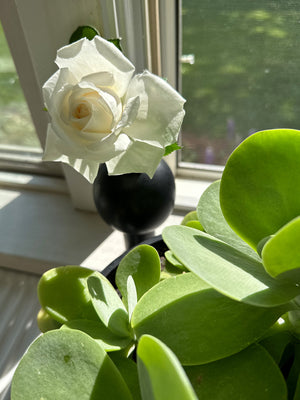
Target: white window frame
(35, 29)
(37, 208)
(170, 33)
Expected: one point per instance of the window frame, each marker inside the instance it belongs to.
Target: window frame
(150, 46)
(171, 68)
(40, 238)
(34, 57)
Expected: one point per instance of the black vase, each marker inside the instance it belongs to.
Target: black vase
(134, 203)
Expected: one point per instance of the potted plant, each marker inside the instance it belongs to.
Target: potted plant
(221, 322)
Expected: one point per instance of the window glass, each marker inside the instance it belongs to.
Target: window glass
(16, 128)
(240, 73)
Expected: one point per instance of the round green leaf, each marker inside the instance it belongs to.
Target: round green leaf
(67, 364)
(262, 243)
(45, 322)
(281, 254)
(195, 225)
(143, 264)
(108, 305)
(160, 373)
(128, 370)
(294, 373)
(248, 375)
(297, 390)
(276, 344)
(117, 43)
(108, 340)
(260, 186)
(191, 216)
(172, 147)
(198, 323)
(83, 32)
(226, 269)
(172, 260)
(64, 295)
(211, 217)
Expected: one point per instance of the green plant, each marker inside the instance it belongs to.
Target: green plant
(224, 324)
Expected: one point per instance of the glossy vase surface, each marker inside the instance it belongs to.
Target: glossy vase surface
(134, 203)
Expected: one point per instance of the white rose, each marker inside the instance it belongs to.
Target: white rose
(101, 113)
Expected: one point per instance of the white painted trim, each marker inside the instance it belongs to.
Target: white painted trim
(36, 29)
(39, 228)
(169, 53)
(17, 41)
(169, 36)
(134, 31)
(108, 18)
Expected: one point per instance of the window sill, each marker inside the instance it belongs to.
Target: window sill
(40, 229)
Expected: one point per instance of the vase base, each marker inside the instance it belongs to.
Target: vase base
(132, 239)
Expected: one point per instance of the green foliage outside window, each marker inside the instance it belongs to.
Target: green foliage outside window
(16, 127)
(245, 76)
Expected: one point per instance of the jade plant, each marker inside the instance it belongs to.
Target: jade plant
(220, 322)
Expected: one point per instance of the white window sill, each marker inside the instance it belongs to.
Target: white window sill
(40, 229)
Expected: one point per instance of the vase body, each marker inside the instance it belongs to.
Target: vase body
(134, 203)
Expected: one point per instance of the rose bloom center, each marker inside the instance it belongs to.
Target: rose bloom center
(81, 111)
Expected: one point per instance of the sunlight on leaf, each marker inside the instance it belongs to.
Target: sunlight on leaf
(172, 147)
(260, 185)
(64, 295)
(226, 269)
(131, 295)
(211, 217)
(281, 254)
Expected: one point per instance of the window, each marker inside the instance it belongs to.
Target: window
(34, 38)
(16, 127)
(20, 148)
(18, 139)
(239, 69)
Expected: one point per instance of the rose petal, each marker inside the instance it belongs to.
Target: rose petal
(88, 169)
(161, 113)
(56, 85)
(106, 112)
(86, 129)
(129, 114)
(107, 148)
(100, 79)
(86, 57)
(139, 157)
(91, 109)
(49, 87)
(85, 157)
